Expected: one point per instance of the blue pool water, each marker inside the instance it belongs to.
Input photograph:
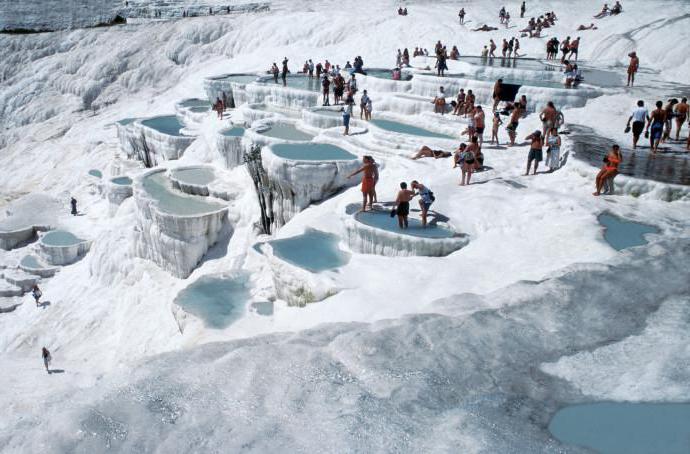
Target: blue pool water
(386, 74)
(622, 234)
(404, 128)
(630, 428)
(31, 261)
(329, 112)
(235, 131)
(381, 219)
(126, 121)
(287, 131)
(169, 200)
(217, 300)
(237, 78)
(299, 82)
(166, 124)
(96, 173)
(311, 152)
(123, 181)
(313, 250)
(200, 109)
(196, 175)
(60, 238)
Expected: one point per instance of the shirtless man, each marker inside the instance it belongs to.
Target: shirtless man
(681, 115)
(632, 68)
(535, 150)
(583, 28)
(402, 204)
(548, 118)
(498, 87)
(513, 125)
(565, 48)
(368, 171)
(479, 123)
(492, 48)
(669, 119)
(656, 124)
(575, 48)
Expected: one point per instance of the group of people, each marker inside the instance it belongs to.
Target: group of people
(509, 48)
(569, 49)
(535, 26)
(442, 56)
(282, 73)
(659, 123)
(402, 11)
(616, 9)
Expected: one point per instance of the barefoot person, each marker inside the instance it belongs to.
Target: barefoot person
(46, 358)
(633, 66)
(368, 171)
(655, 127)
(469, 162)
(347, 113)
(425, 200)
(553, 152)
(440, 102)
(402, 204)
(479, 123)
(513, 125)
(639, 116)
(535, 151)
(681, 113)
(426, 152)
(548, 117)
(36, 293)
(494, 128)
(498, 88)
(609, 169)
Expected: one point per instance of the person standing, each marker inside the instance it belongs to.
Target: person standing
(479, 123)
(494, 129)
(681, 115)
(513, 125)
(285, 71)
(426, 198)
(548, 117)
(553, 152)
(368, 171)
(440, 102)
(326, 89)
(347, 112)
(639, 116)
(523, 8)
(656, 124)
(461, 15)
(363, 104)
(633, 66)
(535, 151)
(402, 205)
(46, 359)
(275, 71)
(73, 203)
(36, 293)
(468, 159)
(492, 48)
(498, 87)
(310, 68)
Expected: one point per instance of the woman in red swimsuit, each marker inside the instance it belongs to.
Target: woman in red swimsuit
(610, 168)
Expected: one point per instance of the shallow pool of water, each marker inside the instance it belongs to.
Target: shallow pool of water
(126, 121)
(286, 131)
(60, 238)
(122, 181)
(630, 428)
(299, 82)
(198, 176)
(328, 112)
(96, 173)
(311, 152)
(237, 78)
(313, 250)
(622, 233)
(381, 219)
(166, 124)
(200, 109)
(169, 200)
(387, 74)
(195, 102)
(404, 128)
(235, 131)
(31, 261)
(217, 300)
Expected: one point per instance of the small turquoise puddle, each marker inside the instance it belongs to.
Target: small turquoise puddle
(96, 173)
(286, 131)
(60, 238)
(122, 181)
(235, 131)
(218, 301)
(31, 261)
(630, 428)
(311, 152)
(126, 121)
(381, 220)
(313, 250)
(403, 128)
(621, 234)
(200, 109)
(195, 102)
(158, 186)
(198, 176)
(167, 124)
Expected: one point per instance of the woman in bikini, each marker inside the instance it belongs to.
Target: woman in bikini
(610, 168)
(368, 170)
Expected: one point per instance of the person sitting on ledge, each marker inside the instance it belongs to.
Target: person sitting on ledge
(426, 152)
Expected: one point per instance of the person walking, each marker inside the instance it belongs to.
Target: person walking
(638, 117)
(73, 204)
(633, 66)
(36, 293)
(425, 200)
(46, 359)
(523, 8)
(535, 151)
(347, 112)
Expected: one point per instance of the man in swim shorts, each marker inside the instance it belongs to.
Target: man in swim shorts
(548, 118)
(513, 125)
(402, 202)
(498, 87)
(535, 150)
(656, 125)
(633, 66)
(479, 123)
(681, 115)
(638, 118)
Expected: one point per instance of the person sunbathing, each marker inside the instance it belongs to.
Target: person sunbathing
(589, 27)
(426, 152)
(604, 12)
(485, 28)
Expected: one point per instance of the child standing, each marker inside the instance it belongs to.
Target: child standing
(494, 130)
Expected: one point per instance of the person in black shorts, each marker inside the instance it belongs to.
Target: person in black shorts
(403, 204)
(638, 118)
